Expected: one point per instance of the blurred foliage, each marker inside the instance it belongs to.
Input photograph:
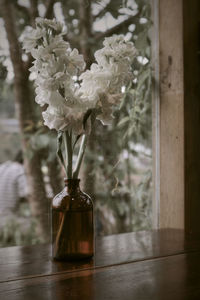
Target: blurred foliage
(7, 107)
(122, 151)
(19, 229)
(10, 145)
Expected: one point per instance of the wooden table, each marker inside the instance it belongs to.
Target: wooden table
(157, 265)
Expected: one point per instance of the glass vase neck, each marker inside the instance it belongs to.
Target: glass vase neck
(72, 184)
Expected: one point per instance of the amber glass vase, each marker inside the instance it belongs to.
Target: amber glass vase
(72, 223)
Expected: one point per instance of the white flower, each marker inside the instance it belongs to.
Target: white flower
(53, 24)
(64, 119)
(32, 37)
(94, 82)
(101, 85)
(42, 96)
(55, 46)
(116, 50)
(37, 65)
(56, 64)
(76, 62)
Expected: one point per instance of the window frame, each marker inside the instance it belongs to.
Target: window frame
(176, 108)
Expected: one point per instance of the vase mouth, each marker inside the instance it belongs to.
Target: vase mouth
(72, 182)
(66, 180)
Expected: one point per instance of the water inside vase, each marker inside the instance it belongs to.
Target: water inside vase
(73, 236)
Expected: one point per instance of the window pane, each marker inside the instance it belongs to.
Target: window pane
(117, 171)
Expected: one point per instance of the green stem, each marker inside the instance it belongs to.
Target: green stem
(59, 151)
(80, 156)
(69, 153)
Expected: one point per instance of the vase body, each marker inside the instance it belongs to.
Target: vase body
(72, 223)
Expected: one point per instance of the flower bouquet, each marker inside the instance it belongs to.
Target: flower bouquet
(73, 99)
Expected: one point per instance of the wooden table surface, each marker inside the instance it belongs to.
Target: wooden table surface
(157, 265)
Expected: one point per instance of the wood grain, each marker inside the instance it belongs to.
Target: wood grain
(171, 114)
(179, 58)
(175, 278)
(20, 262)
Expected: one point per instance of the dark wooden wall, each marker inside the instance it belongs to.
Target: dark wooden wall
(191, 54)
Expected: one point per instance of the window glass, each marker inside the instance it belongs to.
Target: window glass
(117, 170)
